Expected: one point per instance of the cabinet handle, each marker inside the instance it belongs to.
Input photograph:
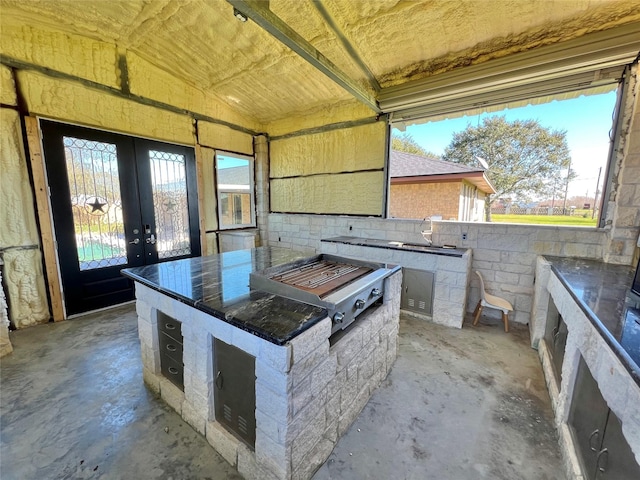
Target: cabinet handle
(173, 370)
(169, 326)
(171, 347)
(601, 454)
(219, 380)
(596, 434)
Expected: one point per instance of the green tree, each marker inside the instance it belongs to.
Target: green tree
(404, 142)
(525, 159)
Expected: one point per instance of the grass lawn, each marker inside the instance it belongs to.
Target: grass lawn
(575, 220)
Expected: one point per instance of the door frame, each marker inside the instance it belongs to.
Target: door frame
(44, 213)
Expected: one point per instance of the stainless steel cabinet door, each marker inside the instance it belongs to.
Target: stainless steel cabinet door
(587, 419)
(235, 390)
(615, 460)
(417, 291)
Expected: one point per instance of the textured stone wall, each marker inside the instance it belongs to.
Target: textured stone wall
(421, 200)
(624, 206)
(261, 146)
(308, 392)
(337, 171)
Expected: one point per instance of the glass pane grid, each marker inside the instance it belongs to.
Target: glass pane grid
(92, 170)
(169, 186)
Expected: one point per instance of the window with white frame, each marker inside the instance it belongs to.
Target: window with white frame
(235, 188)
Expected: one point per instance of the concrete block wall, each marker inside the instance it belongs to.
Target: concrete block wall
(241, 240)
(505, 255)
(308, 392)
(623, 213)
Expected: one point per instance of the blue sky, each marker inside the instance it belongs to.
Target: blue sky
(587, 120)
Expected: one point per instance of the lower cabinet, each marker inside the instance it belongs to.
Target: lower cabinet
(170, 342)
(417, 291)
(235, 390)
(597, 433)
(556, 339)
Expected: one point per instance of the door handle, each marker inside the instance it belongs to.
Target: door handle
(596, 434)
(151, 239)
(135, 241)
(604, 453)
(219, 380)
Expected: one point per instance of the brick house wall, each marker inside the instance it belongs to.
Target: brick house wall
(425, 199)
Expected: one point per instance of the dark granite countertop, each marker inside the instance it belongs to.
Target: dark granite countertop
(219, 285)
(602, 292)
(398, 245)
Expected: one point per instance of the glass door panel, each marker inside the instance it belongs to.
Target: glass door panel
(92, 170)
(171, 209)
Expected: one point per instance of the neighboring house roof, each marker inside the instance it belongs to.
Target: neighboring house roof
(234, 176)
(411, 168)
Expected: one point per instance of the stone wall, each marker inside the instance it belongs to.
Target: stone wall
(623, 214)
(308, 392)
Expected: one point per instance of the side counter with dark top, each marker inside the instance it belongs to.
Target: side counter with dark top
(587, 332)
(258, 374)
(449, 270)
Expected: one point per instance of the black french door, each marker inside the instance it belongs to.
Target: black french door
(117, 202)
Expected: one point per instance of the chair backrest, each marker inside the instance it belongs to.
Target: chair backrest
(481, 285)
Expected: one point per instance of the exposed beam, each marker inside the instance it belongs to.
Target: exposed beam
(259, 12)
(22, 65)
(355, 56)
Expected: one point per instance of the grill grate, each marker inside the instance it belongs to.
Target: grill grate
(321, 277)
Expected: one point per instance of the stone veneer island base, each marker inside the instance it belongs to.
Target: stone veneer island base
(308, 390)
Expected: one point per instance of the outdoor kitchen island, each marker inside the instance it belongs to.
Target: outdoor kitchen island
(260, 375)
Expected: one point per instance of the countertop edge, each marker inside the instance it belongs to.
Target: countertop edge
(623, 356)
(445, 252)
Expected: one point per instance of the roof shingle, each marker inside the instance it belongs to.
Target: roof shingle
(411, 165)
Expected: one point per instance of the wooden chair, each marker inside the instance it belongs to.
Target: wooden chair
(491, 301)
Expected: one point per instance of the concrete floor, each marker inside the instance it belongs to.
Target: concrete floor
(458, 404)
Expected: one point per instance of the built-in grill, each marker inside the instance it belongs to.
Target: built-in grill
(344, 286)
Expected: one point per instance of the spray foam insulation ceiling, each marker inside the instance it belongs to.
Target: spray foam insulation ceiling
(374, 43)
